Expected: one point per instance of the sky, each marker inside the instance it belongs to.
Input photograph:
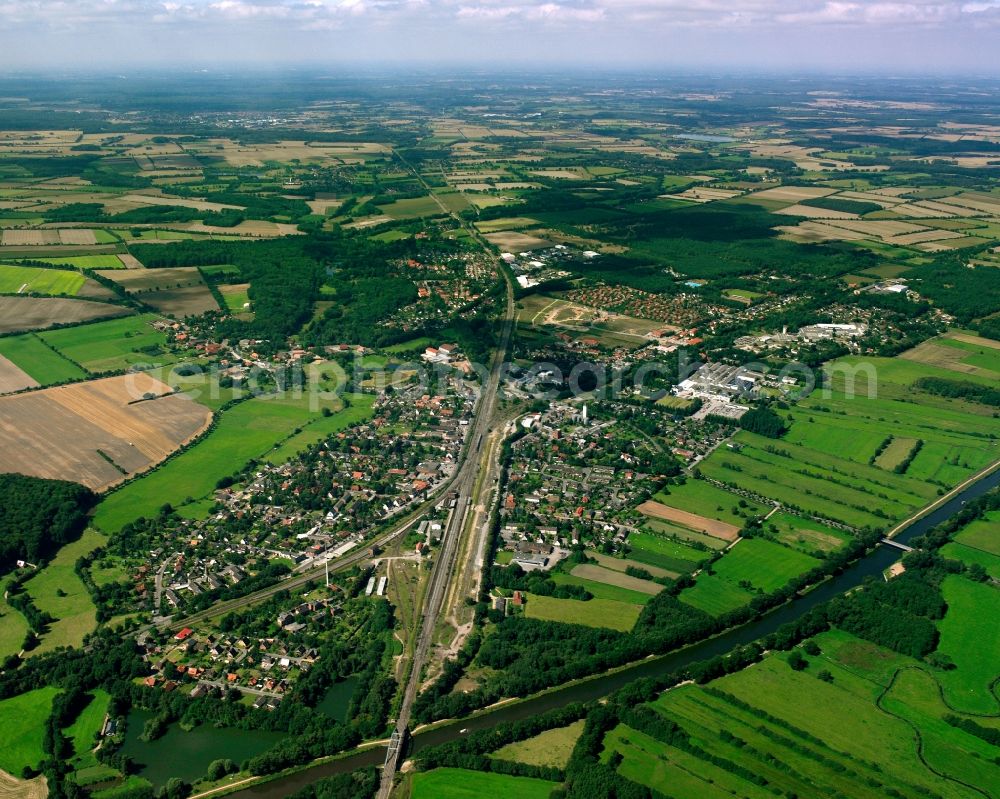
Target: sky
(846, 36)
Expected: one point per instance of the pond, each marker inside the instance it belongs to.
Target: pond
(338, 698)
(178, 753)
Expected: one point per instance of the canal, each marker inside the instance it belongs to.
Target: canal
(594, 688)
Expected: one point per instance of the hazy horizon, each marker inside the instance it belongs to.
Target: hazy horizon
(915, 37)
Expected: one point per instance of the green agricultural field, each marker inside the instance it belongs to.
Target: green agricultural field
(828, 435)
(603, 590)
(549, 748)
(33, 356)
(105, 236)
(32, 279)
(805, 534)
(715, 595)
(980, 356)
(663, 552)
(915, 696)
(84, 261)
(412, 208)
(248, 430)
(968, 556)
(805, 476)
(968, 637)
(897, 451)
(892, 378)
(111, 345)
(456, 783)
(58, 590)
(674, 403)
(392, 235)
(978, 542)
(763, 564)
(830, 737)
(415, 345)
(360, 409)
(818, 738)
(82, 731)
(660, 527)
(609, 613)
(982, 533)
(235, 296)
(742, 294)
(22, 719)
(202, 387)
(661, 767)
(697, 496)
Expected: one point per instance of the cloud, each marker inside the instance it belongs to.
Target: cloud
(617, 30)
(583, 12)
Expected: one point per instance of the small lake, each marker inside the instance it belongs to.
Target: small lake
(187, 755)
(338, 698)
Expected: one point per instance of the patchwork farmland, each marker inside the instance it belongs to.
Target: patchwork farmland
(96, 433)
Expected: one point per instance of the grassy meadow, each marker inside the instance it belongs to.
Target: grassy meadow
(22, 719)
(456, 783)
(33, 356)
(58, 590)
(108, 346)
(611, 613)
(36, 280)
(795, 734)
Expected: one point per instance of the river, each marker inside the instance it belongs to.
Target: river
(596, 687)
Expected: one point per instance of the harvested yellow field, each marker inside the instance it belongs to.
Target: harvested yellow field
(952, 244)
(793, 193)
(945, 357)
(13, 788)
(510, 241)
(926, 210)
(880, 228)
(130, 262)
(181, 202)
(36, 313)
(978, 341)
(77, 236)
(29, 238)
(322, 206)
(871, 197)
(807, 232)
(702, 524)
(699, 194)
(99, 432)
(600, 574)
(923, 236)
(237, 154)
(811, 212)
(985, 203)
(560, 174)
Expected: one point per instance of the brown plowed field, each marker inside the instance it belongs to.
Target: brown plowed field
(71, 432)
(13, 378)
(35, 313)
(713, 527)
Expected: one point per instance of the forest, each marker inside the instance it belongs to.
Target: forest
(38, 516)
